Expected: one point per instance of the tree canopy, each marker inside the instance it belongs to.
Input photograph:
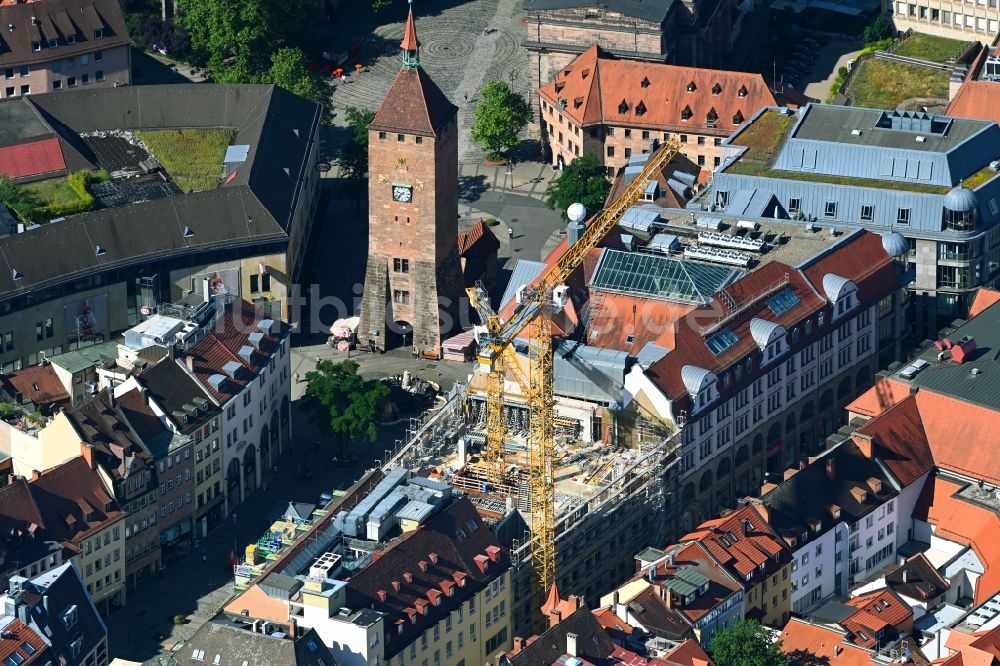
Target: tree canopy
(255, 42)
(353, 156)
(747, 643)
(880, 29)
(581, 181)
(500, 116)
(342, 404)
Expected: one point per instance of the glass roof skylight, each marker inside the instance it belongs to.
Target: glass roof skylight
(782, 302)
(659, 277)
(720, 341)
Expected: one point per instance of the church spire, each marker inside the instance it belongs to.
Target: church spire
(410, 43)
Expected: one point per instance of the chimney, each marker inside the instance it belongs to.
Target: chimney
(293, 628)
(575, 601)
(673, 560)
(746, 527)
(831, 468)
(571, 644)
(434, 558)
(395, 585)
(423, 565)
(145, 397)
(408, 577)
(555, 617)
(864, 443)
(493, 552)
(614, 600)
(668, 597)
(381, 595)
(518, 644)
(906, 576)
(87, 451)
(651, 573)
(35, 475)
(764, 511)
(802, 463)
(189, 361)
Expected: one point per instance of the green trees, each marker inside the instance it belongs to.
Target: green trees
(500, 117)
(880, 29)
(255, 42)
(342, 404)
(353, 156)
(581, 181)
(747, 643)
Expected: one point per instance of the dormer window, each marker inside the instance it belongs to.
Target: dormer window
(71, 39)
(716, 90)
(738, 118)
(585, 73)
(53, 43)
(743, 91)
(36, 46)
(711, 118)
(686, 114)
(640, 109)
(99, 33)
(692, 87)
(623, 107)
(645, 82)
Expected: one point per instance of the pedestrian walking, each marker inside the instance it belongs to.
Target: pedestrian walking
(296, 378)
(466, 98)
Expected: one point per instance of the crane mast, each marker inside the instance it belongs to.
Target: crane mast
(537, 306)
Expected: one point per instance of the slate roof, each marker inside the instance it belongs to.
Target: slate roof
(253, 208)
(646, 10)
(599, 88)
(456, 537)
(116, 447)
(222, 345)
(36, 158)
(235, 646)
(62, 587)
(59, 20)
(73, 501)
(809, 494)
(170, 387)
(694, 558)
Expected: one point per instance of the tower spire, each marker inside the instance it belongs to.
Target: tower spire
(410, 43)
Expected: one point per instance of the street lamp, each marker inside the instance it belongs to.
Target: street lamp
(511, 76)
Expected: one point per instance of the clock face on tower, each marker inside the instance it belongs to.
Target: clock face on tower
(402, 193)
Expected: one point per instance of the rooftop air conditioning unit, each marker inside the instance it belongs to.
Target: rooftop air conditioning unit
(855, 132)
(921, 139)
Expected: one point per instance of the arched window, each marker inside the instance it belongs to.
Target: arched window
(723, 470)
(758, 444)
(844, 388)
(826, 400)
(706, 481)
(790, 423)
(742, 455)
(808, 411)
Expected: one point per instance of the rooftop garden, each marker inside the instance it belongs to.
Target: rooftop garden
(980, 177)
(929, 47)
(884, 84)
(192, 157)
(41, 201)
(764, 139)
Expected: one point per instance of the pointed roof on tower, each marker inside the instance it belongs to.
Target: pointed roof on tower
(410, 41)
(414, 103)
(553, 600)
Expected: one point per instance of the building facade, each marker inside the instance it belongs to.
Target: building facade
(927, 178)
(615, 108)
(63, 44)
(955, 20)
(413, 280)
(690, 33)
(760, 378)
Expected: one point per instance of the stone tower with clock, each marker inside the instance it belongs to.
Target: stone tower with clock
(413, 281)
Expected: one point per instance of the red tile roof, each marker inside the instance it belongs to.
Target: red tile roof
(15, 636)
(962, 436)
(32, 159)
(961, 521)
(599, 88)
(976, 99)
(877, 611)
(413, 105)
(223, 343)
(885, 393)
(983, 300)
(696, 556)
(743, 541)
(899, 441)
(805, 643)
(410, 41)
(73, 501)
(688, 653)
(979, 649)
(38, 383)
(477, 241)
(859, 257)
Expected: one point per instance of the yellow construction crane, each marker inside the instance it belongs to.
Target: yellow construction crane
(537, 304)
